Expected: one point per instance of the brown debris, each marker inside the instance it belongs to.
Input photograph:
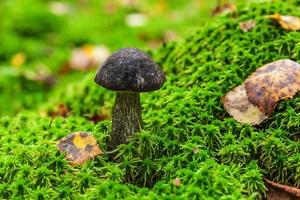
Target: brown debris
(223, 9)
(79, 147)
(290, 23)
(41, 75)
(98, 118)
(273, 82)
(62, 110)
(255, 100)
(281, 192)
(86, 58)
(247, 25)
(177, 182)
(237, 104)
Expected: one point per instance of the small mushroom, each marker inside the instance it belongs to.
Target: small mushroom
(128, 72)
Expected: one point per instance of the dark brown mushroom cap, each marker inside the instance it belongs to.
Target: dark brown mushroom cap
(130, 69)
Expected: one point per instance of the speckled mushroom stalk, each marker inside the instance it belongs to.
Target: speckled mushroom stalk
(128, 72)
(126, 118)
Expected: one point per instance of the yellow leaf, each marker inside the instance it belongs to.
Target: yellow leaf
(88, 49)
(79, 147)
(18, 60)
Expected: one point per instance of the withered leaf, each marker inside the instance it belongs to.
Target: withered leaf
(273, 82)
(61, 110)
(59, 8)
(87, 57)
(255, 100)
(41, 74)
(98, 118)
(247, 25)
(237, 105)
(177, 182)
(136, 20)
(287, 22)
(79, 147)
(223, 9)
(281, 192)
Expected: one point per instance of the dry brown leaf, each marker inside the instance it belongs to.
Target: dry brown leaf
(273, 82)
(247, 25)
(79, 147)
(237, 105)
(287, 22)
(98, 118)
(255, 100)
(62, 110)
(223, 9)
(282, 192)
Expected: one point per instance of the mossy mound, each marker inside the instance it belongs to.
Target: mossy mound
(188, 134)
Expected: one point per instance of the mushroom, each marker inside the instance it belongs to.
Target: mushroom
(128, 71)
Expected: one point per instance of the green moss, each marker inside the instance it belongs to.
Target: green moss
(188, 134)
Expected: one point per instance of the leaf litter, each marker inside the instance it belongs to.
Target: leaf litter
(255, 100)
(79, 147)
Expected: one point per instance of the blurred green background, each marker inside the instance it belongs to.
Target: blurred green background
(44, 43)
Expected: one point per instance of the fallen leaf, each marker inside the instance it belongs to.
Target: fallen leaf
(99, 55)
(59, 8)
(62, 110)
(65, 68)
(176, 182)
(237, 105)
(80, 59)
(273, 82)
(98, 118)
(87, 57)
(136, 19)
(18, 59)
(130, 3)
(255, 100)
(41, 74)
(224, 9)
(170, 36)
(247, 25)
(287, 22)
(79, 147)
(281, 192)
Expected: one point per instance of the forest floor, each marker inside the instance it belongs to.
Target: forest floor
(190, 147)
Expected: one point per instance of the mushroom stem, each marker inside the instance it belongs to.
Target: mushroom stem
(126, 118)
